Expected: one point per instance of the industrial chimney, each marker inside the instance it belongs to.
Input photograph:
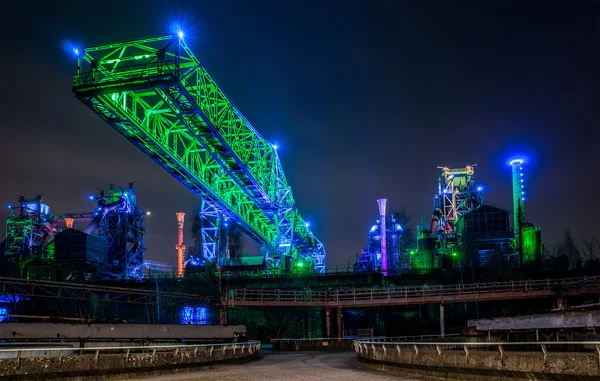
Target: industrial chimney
(384, 259)
(180, 246)
(518, 193)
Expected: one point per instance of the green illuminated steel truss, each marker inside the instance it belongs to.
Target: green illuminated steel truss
(156, 93)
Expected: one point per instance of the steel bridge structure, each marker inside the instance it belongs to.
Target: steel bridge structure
(157, 94)
(414, 295)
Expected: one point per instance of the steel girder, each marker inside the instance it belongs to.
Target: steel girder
(157, 94)
(75, 291)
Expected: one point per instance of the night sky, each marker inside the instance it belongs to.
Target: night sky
(365, 99)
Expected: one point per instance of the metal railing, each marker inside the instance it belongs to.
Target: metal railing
(143, 71)
(313, 339)
(81, 291)
(250, 346)
(364, 346)
(385, 339)
(376, 339)
(404, 294)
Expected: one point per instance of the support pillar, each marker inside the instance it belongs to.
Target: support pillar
(442, 324)
(223, 314)
(328, 322)
(339, 323)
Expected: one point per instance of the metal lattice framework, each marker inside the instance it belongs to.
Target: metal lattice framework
(123, 230)
(457, 193)
(157, 94)
(30, 231)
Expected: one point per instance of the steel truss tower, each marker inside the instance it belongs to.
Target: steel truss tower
(158, 95)
(457, 194)
(210, 223)
(29, 234)
(123, 230)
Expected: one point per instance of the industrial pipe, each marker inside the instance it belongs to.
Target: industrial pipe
(104, 210)
(384, 259)
(435, 220)
(180, 246)
(69, 222)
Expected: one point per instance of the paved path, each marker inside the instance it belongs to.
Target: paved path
(289, 366)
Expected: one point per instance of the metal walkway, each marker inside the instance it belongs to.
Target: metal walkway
(426, 294)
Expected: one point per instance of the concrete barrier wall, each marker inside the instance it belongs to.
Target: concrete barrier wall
(25, 331)
(98, 366)
(311, 344)
(481, 365)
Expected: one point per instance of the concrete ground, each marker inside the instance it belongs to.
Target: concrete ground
(289, 366)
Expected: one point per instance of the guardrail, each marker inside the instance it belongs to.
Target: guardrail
(251, 346)
(405, 294)
(58, 361)
(484, 360)
(467, 347)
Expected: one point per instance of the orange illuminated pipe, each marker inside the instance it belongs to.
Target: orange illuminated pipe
(69, 222)
(180, 246)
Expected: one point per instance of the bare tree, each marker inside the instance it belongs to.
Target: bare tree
(591, 249)
(571, 251)
(591, 254)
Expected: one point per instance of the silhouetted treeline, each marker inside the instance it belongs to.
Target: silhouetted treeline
(568, 258)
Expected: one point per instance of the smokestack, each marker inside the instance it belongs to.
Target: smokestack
(180, 246)
(518, 193)
(384, 259)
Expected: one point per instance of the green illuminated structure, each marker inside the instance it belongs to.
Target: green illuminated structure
(531, 243)
(29, 234)
(518, 193)
(528, 237)
(158, 95)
